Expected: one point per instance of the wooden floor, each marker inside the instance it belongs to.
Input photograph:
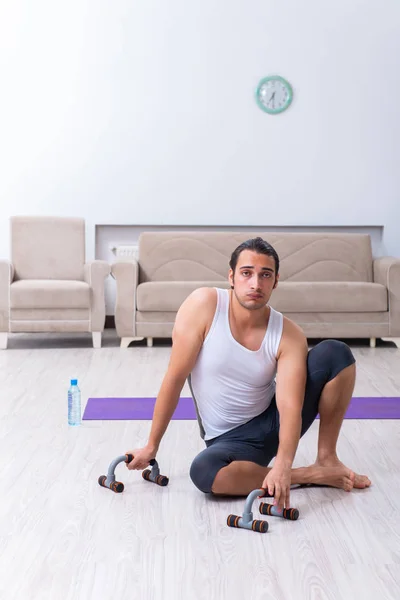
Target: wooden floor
(63, 537)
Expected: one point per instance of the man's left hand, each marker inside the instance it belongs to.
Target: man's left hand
(277, 482)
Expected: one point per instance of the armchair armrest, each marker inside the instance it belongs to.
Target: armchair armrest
(386, 271)
(126, 275)
(6, 278)
(95, 273)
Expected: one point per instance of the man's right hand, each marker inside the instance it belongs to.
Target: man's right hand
(141, 458)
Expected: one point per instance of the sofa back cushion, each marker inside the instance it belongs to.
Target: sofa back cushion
(204, 256)
(48, 247)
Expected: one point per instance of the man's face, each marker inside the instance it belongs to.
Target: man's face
(254, 279)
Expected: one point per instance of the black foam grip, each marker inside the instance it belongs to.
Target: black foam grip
(260, 526)
(117, 487)
(162, 480)
(233, 521)
(129, 458)
(266, 494)
(146, 474)
(291, 514)
(294, 514)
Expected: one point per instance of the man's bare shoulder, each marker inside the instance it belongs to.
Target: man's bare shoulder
(197, 310)
(291, 329)
(202, 298)
(204, 295)
(292, 336)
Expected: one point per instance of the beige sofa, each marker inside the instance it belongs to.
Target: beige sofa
(330, 284)
(47, 286)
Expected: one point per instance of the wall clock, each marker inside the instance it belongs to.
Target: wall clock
(274, 94)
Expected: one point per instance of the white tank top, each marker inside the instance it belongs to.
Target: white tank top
(231, 384)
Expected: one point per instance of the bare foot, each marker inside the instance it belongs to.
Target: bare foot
(339, 477)
(359, 481)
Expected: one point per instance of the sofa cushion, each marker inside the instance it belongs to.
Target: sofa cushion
(300, 296)
(50, 314)
(41, 293)
(329, 296)
(169, 295)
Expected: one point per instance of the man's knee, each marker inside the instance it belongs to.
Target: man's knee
(202, 472)
(332, 355)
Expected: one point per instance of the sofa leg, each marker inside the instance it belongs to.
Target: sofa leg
(96, 336)
(3, 340)
(125, 341)
(396, 340)
(372, 342)
(149, 342)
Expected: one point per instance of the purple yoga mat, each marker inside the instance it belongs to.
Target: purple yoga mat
(133, 409)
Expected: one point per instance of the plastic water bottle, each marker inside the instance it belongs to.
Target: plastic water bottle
(74, 404)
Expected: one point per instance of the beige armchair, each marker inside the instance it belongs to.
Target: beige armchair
(47, 286)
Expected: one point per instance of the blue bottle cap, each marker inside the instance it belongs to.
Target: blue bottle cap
(74, 382)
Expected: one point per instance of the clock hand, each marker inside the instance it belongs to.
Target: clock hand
(272, 98)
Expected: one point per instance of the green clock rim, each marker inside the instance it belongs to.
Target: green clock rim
(289, 88)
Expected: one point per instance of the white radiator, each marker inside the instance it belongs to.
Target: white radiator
(126, 252)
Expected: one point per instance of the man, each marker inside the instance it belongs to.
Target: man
(256, 387)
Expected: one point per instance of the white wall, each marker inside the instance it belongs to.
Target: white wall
(143, 113)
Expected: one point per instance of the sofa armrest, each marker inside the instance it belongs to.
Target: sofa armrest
(386, 271)
(95, 273)
(126, 275)
(6, 278)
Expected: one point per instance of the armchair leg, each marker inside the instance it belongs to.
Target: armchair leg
(3, 340)
(372, 342)
(96, 336)
(149, 342)
(396, 340)
(125, 341)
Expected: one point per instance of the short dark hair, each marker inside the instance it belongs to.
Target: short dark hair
(255, 245)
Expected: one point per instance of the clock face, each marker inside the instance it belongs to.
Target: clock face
(274, 94)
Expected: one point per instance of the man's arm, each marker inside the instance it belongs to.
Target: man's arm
(290, 387)
(187, 340)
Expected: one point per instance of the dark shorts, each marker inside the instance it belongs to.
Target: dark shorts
(257, 440)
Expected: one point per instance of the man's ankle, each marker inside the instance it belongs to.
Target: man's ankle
(303, 475)
(327, 456)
